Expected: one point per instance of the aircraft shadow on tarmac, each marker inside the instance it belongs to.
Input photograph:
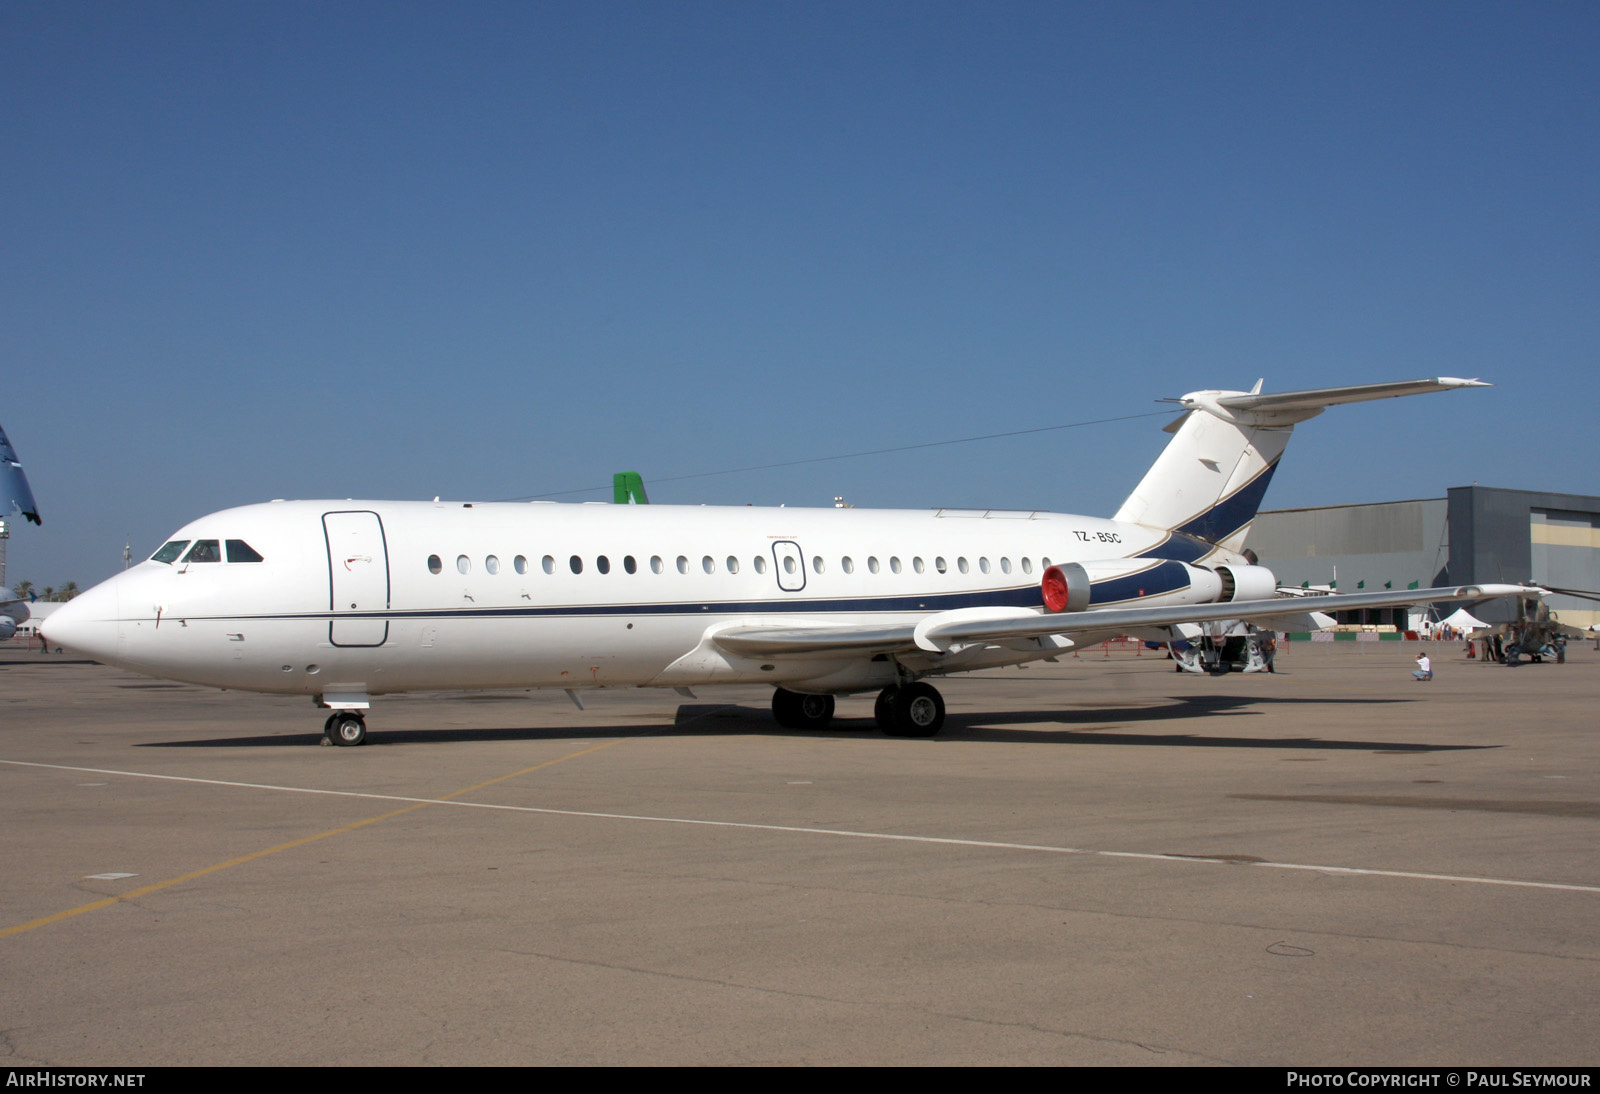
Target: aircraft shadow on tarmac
(1024, 726)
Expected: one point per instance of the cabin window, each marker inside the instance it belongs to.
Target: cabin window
(708, 564)
(1005, 565)
(916, 564)
(938, 564)
(204, 550)
(656, 565)
(463, 564)
(1027, 565)
(733, 565)
(683, 564)
(788, 564)
(575, 564)
(872, 564)
(520, 564)
(983, 565)
(894, 564)
(629, 564)
(961, 564)
(761, 565)
(847, 565)
(170, 551)
(816, 564)
(240, 551)
(548, 564)
(435, 564)
(603, 564)
(492, 564)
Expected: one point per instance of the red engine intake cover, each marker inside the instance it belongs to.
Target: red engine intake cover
(1054, 587)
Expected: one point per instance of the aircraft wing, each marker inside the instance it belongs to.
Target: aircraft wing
(941, 631)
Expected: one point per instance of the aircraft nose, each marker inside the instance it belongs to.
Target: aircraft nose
(87, 624)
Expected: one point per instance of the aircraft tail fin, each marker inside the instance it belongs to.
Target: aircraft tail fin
(1209, 480)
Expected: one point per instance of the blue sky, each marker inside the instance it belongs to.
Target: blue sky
(492, 251)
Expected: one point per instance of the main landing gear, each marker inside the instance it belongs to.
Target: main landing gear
(912, 710)
(796, 711)
(346, 728)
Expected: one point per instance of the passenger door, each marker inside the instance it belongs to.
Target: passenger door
(358, 578)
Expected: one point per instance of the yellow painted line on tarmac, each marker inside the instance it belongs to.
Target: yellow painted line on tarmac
(146, 890)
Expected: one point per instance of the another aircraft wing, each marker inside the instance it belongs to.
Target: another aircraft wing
(942, 631)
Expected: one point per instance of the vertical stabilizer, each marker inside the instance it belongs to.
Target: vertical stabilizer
(1209, 480)
(15, 497)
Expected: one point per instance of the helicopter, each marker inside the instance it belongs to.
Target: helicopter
(1535, 633)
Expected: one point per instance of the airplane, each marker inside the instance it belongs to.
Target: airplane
(14, 613)
(344, 601)
(15, 497)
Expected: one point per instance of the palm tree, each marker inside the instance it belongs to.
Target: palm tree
(22, 588)
(68, 591)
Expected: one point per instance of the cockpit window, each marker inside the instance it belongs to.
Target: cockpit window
(240, 551)
(170, 551)
(204, 550)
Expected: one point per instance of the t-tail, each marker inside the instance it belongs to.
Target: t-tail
(1210, 479)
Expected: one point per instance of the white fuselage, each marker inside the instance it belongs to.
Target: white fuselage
(370, 597)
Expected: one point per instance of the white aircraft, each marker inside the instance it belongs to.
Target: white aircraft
(346, 600)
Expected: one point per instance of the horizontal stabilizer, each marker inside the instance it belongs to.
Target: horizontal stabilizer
(1317, 398)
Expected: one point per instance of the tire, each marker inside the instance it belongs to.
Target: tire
(795, 711)
(916, 711)
(346, 730)
(883, 708)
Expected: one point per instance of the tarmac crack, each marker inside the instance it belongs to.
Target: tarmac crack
(880, 1004)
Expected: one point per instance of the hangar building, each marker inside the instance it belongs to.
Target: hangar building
(1474, 533)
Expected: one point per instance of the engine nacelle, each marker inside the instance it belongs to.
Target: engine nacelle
(1244, 582)
(1146, 582)
(1065, 588)
(8, 627)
